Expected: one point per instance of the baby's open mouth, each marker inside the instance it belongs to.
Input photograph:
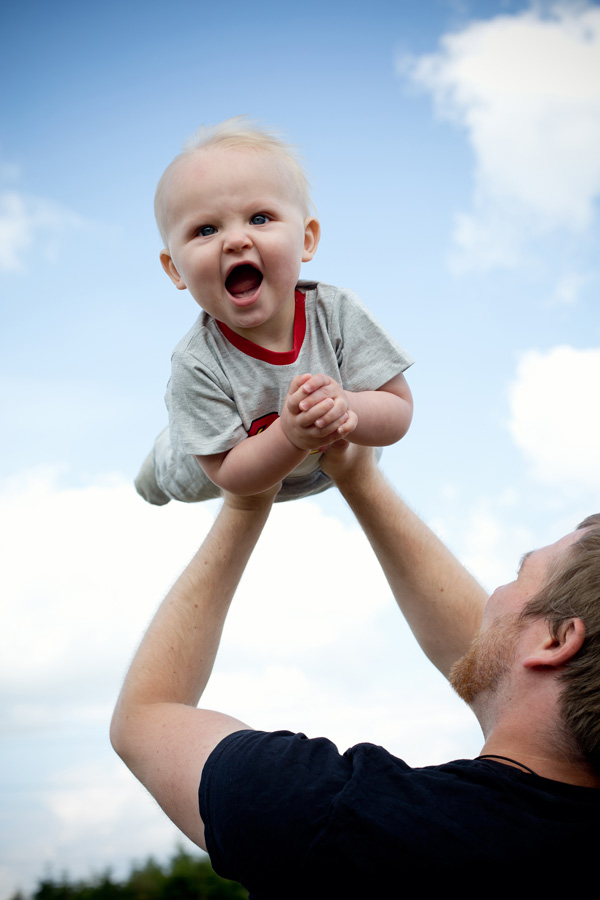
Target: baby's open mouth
(243, 281)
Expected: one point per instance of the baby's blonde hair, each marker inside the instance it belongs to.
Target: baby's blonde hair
(231, 134)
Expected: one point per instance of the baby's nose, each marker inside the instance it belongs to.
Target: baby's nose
(236, 240)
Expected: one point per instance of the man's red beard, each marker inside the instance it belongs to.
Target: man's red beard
(487, 660)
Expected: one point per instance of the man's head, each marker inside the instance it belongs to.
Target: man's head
(233, 211)
(559, 584)
(572, 591)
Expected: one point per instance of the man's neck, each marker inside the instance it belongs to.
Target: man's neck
(521, 720)
(547, 758)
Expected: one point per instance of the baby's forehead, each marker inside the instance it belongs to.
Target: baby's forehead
(211, 164)
(207, 172)
(205, 161)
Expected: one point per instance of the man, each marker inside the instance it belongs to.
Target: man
(290, 817)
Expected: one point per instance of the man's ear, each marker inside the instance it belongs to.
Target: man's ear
(553, 652)
(312, 236)
(171, 270)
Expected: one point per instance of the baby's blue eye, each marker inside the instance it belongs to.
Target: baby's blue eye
(207, 230)
(260, 219)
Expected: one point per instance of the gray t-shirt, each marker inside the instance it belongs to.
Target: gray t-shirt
(224, 388)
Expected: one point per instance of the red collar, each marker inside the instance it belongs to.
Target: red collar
(272, 356)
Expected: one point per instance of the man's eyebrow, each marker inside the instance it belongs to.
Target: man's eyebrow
(523, 558)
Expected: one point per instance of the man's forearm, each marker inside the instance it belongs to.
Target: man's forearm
(175, 659)
(156, 728)
(440, 600)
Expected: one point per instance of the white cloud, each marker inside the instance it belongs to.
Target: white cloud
(526, 88)
(554, 415)
(25, 220)
(313, 642)
(86, 818)
(85, 567)
(76, 581)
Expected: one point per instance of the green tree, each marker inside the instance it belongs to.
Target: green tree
(184, 877)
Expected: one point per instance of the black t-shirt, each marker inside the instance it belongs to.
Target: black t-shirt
(290, 817)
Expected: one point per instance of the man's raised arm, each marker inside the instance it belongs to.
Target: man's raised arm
(440, 600)
(156, 728)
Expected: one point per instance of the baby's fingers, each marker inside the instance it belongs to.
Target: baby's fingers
(315, 382)
(335, 412)
(330, 391)
(348, 426)
(298, 382)
(296, 393)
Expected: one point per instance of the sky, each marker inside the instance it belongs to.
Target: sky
(454, 152)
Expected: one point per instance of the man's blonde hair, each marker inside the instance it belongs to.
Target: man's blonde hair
(238, 132)
(572, 590)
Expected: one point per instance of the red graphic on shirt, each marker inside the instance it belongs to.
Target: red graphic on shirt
(262, 424)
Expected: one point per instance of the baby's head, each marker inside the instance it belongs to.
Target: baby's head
(237, 133)
(234, 212)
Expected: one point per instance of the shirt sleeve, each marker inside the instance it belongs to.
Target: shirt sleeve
(367, 355)
(264, 800)
(203, 416)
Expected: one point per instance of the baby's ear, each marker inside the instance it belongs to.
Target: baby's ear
(312, 235)
(171, 270)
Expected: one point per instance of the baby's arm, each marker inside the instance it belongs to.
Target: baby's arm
(261, 461)
(384, 415)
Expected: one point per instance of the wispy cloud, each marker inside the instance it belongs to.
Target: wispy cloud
(28, 222)
(313, 642)
(526, 89)
(55, 634)
(568, 288)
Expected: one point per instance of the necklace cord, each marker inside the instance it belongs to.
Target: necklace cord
(507, 759)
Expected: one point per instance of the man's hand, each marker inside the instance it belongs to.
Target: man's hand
(345, 462)
(316, 412)
(251, 502)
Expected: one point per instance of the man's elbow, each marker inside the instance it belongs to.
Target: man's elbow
(121, 736)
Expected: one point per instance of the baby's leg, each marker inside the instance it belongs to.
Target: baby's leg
(146, 484)
(167, 476)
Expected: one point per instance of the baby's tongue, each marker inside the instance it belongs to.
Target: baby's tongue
(243, 281)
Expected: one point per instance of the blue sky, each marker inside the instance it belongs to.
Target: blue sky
(454, 153)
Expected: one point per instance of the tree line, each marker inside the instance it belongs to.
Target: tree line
(183, 877)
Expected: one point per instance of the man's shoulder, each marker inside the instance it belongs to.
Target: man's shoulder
(405, 794)
(366, 812)
(271, 752)
(267, 798)
(258, 769)
(371, 761)
(270, 744)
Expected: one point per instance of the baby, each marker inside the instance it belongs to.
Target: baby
(274, 370)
